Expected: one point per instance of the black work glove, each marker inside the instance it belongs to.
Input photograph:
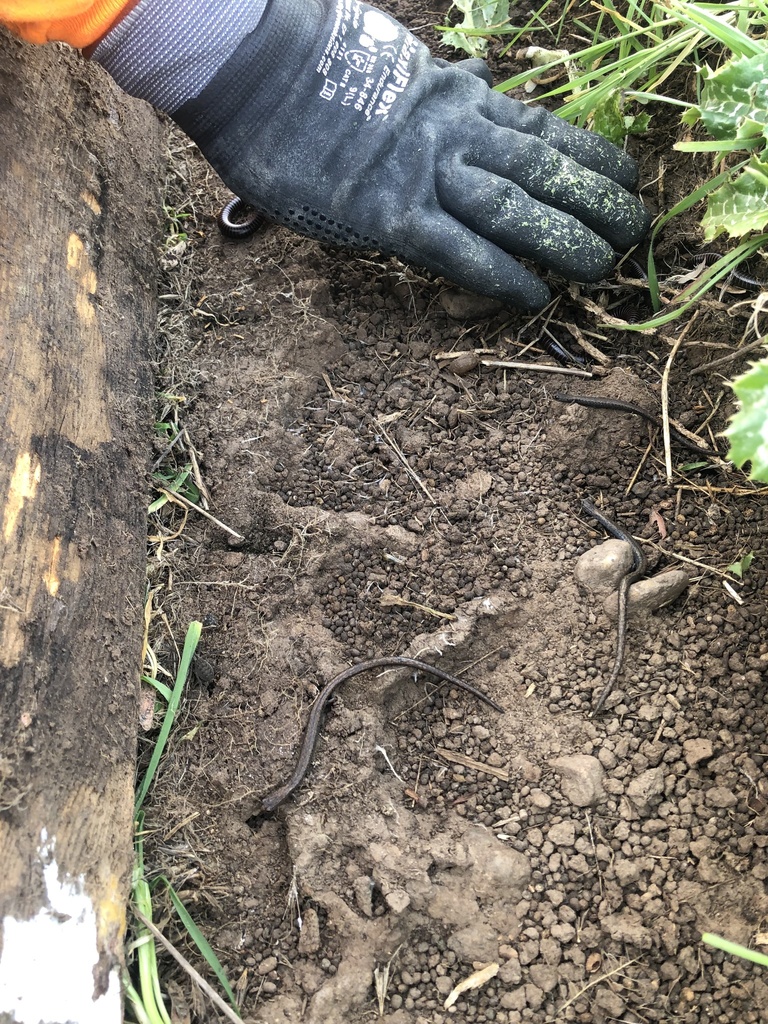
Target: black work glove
(335, 121)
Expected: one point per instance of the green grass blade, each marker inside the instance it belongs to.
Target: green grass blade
(690, 295)
(645, 66)
(655, 97)
(535, 23)
(202, 944)
(164, 691)
(150, 997)
(190, 646)
(718, 145)
(686, 203)
(718, 25)
(735, 949)
(134, 1000)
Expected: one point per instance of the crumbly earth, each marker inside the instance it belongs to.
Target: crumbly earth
(391, 506)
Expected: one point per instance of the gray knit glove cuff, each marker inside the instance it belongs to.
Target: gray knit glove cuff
(167, 51)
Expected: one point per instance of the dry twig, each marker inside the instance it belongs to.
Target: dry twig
(665, 396)
(186, 503)
(469, 762)
(404, 461)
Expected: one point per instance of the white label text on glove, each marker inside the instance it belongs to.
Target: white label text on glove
(365, 64)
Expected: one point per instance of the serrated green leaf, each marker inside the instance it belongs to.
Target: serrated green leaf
(747, 432)
(734, 100)
(478, 14)
(739, 567)
(691, 116)
(609, 119)
(636, 124)
(740, 206)
(474, 47)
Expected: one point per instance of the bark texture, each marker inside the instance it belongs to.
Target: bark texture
(80, 174)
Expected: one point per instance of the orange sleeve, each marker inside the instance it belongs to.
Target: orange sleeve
(77, 22)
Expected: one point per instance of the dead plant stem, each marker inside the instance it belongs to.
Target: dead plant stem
(665, 395)
(187, 966)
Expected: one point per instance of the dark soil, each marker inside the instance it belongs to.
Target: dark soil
(390, 506)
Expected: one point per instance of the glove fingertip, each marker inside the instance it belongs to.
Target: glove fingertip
(457, 253)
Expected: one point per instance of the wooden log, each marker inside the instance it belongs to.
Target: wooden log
(80, 173)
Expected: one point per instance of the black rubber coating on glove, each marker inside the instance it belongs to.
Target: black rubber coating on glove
(335, 121)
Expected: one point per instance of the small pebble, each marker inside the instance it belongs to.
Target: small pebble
(267, 965)
(461, 305)
(309, 936)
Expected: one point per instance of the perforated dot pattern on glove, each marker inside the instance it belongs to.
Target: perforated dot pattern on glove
(314, 224)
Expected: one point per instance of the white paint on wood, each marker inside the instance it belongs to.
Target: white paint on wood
(47, 961)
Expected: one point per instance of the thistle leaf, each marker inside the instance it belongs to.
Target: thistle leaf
(747, 432)
(740, 206)
(478, 15)
(734, 100)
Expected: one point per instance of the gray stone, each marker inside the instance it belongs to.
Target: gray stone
(363, 890)
(582, 779)
(627, 926)
(478, 941)
(646, 788)
(555, 896)
(702, 847)
(510, 972)
(649, 712)
(397, 900)
(514, 1000)
(309, 936)
(496, 869)
(602, 567)
(540, 800)
(461, 305)
(267, 965)
(444, 985)
(563, 932)
(463, 364)
(649, 595)
(697, 750)
(544, 976)
(720, 796)
(535, 838)
(610, 1002)
(309, 976)
(627, 810)
(709, 871)
(550, 950)
(528, 951)
(607, 758)
(627, 871)
(534, 997)
(562, 834)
